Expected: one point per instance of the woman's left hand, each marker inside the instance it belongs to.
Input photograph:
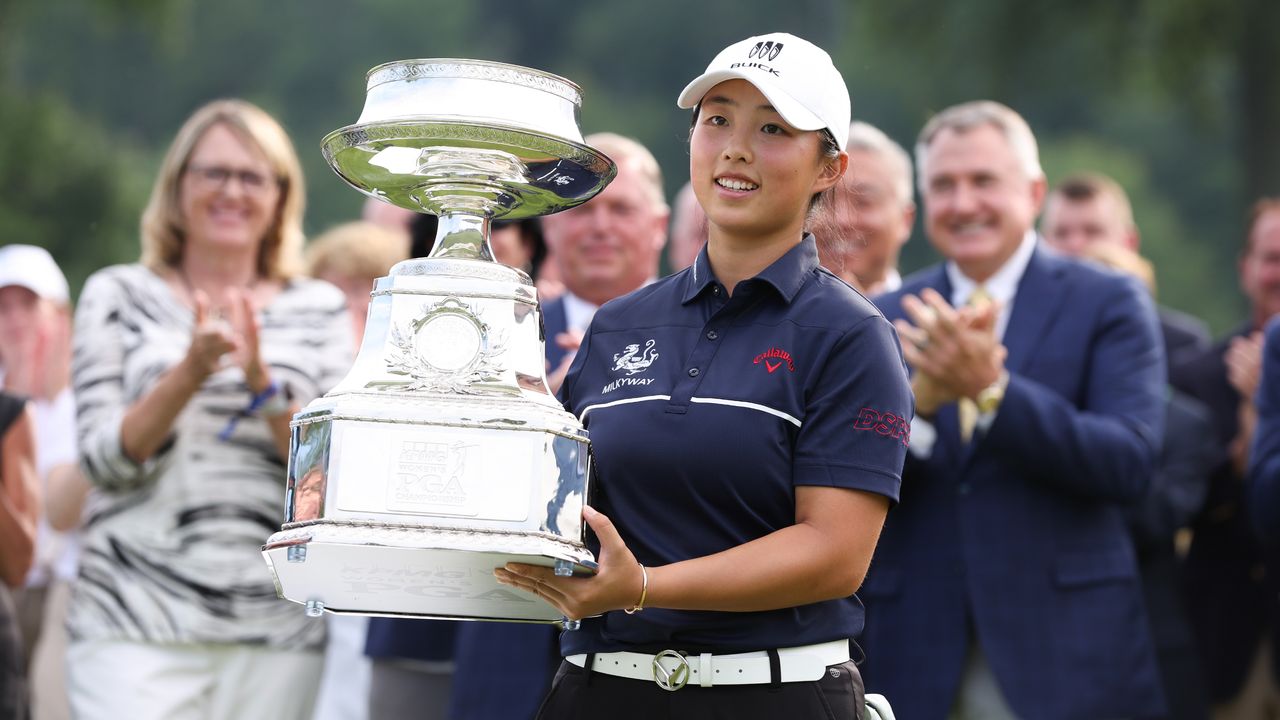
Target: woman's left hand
(616, 585)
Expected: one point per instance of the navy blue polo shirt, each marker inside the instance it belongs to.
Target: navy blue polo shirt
(705, 412)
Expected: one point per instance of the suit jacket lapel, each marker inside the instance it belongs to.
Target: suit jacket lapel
(941, 282)
(555, 320)
(1040, 297)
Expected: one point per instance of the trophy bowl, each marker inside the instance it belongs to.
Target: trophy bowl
(467, 136)
(443, 453)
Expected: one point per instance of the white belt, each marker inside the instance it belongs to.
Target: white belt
(672, 670)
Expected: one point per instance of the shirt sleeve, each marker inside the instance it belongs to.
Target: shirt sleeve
(97, 373)
(857, 422)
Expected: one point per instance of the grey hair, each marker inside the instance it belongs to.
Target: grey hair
(967, 116)
(867, 137)
(622, 149)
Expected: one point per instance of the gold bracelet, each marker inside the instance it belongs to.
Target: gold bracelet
(644, 592)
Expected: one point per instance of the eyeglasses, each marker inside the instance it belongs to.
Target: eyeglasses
(217, 176)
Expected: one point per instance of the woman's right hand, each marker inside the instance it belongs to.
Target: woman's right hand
(149, 422)
(211, 340)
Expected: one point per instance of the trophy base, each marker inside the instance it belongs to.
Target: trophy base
(444, 574)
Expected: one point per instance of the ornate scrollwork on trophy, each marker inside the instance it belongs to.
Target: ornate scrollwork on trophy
(448, 349)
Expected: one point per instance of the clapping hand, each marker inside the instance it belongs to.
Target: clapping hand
(955, 352)
(211, 339)
(221, 338)
(1244, 364)
(249, 353)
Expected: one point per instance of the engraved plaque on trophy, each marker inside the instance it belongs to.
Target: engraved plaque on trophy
(443, 454)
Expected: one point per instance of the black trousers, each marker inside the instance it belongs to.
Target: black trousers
(579, 695)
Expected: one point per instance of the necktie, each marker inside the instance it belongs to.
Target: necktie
(967, 409)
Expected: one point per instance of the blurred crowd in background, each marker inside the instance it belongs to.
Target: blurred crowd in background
(145, 406)
(133, 583)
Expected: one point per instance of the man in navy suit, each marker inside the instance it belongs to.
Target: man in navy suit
(1005, 583)
(1089, 215)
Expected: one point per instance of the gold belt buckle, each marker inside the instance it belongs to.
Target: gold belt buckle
(674, 678)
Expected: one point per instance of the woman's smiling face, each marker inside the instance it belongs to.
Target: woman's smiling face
(752, 172)
(229, 194)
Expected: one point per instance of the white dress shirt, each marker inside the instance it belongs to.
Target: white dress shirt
(892, 281)
(577, 312)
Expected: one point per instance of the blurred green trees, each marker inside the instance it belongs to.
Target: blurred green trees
(68, 184)
(1177, 99)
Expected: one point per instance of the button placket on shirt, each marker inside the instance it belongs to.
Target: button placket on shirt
(695, 368)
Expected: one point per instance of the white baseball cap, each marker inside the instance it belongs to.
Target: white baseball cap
(33, 268)
(797, 77)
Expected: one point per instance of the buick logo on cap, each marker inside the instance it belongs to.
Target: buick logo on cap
(765, 50)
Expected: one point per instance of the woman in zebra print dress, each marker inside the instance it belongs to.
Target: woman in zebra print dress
(188, 366)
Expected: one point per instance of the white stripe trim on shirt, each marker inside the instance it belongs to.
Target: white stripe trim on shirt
(749, 406)
(624, 401)
(705, 401)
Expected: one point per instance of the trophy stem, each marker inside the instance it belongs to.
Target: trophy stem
(462, 237)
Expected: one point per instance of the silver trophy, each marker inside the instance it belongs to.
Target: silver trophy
(443, 454)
